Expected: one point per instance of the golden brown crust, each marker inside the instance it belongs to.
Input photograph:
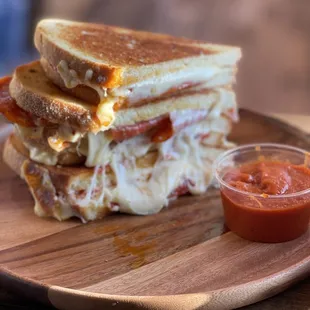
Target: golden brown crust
(117, 55)
(36, 94)
(118, 47)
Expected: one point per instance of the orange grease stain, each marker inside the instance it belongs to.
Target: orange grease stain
(127, 247)
(135, 244)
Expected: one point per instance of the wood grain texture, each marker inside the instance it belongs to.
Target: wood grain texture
(182, 250)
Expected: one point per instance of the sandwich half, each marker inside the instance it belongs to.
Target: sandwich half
(116, 67)
(116, 120)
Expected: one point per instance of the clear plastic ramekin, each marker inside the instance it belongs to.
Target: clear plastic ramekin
(263, 218)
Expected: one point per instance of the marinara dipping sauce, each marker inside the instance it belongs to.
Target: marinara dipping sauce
(265, 190)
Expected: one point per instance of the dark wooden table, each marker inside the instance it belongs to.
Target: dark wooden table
(295, 298)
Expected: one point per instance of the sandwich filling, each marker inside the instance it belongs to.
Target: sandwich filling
(138, 176)
(64, 145)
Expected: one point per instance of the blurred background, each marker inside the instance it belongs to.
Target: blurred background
(274, 73)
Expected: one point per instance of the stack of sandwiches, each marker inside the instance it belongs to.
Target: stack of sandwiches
(116, 120)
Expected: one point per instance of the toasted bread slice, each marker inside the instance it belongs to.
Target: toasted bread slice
(36, 94)
(112, 57)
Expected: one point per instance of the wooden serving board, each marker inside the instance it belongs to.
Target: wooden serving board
(181, 258)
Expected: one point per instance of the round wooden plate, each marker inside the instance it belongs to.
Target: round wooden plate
(181, 258)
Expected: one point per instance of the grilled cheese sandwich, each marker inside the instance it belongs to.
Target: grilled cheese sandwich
(123, 124)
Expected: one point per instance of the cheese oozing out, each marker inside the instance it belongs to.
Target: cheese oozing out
(137, 175)
(212, 108)
(186, 157)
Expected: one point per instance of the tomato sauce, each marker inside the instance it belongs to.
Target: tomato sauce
(259, 208)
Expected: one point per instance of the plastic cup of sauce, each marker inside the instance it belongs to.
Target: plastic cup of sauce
(265, 191)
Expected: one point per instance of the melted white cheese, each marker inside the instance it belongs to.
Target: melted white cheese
(135, 188)
(147, 190)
